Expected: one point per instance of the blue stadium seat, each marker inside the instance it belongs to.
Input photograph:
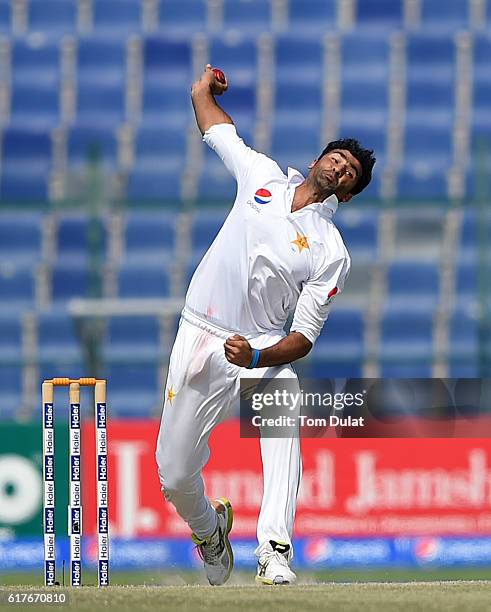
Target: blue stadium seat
(406, 342)
(371, 107)
(11, 385)
(339, 349)
(36, 61)
(296, 143)
(101, 105)
(305, 102)
(313, 17)
(320, 368)
(237, 57)
(421, 182)
(380, 14)
(117, 18)
(26, 147)
(153, 184)
(245, 126)
(430, 102)
(193, 264)
(359, 231)
(20, 237)
(88, 143)
(183, 17)
(144, 280)
(463, 346)
(216, 184)
(239, 102)
(77, 234)
(458, 369)
(101, 60)
(71, 280)
(58, 366)
(57, 337)
(150, 236)
(454, 17)
(414, 282)
(154, 145)
(298, 160)
(24, 185)
(474, 222)
(26, 162)
(10, 338)
(468, 236)
(471, 183)
(467, 280)
(342, 338)
(17, 286)
(135, 389)
(481, 121)
(166, 106)
(298, 57)
(167, 62)
(364, 56)
(430, 79)
(5, 16)
(425, 137)
(482, 55)
(251, 16)
(205, 227)
(297, 126)
(101, 76)
(135, 337)
(359, 282)
(52, 17)
(428, 49)
(431, 60)
(393, 369)
(36, 106)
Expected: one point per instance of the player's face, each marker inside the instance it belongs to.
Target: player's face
(337, 172)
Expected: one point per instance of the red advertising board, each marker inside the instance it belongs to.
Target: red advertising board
(350, 486)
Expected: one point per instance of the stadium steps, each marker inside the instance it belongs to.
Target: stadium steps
(396, 107)
(386, 236)
(447, 290)
(463, 115)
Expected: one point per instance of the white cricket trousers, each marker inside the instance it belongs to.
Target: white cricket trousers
(202, 387)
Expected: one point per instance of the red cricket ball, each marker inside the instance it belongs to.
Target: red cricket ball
(219, 75)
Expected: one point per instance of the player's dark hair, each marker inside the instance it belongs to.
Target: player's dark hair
(364, 156)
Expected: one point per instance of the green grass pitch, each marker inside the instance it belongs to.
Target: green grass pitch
(363, 591)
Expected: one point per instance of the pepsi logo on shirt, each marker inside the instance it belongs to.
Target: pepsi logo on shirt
(263, 196)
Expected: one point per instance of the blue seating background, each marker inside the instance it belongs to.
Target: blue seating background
(73, 95)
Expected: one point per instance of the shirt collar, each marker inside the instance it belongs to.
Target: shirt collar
(295, 178)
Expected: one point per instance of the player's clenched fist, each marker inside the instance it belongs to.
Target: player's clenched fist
(214, 79)
(238, 351)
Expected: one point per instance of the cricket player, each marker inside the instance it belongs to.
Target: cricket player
(277, 252)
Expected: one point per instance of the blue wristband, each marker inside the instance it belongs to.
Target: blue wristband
(255, 359)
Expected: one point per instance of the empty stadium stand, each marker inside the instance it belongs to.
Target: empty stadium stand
(103, 85)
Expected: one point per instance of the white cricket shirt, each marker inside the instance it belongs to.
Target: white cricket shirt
(267, 261)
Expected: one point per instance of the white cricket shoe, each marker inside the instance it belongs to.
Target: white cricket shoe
(216, 550)
(273, 564)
